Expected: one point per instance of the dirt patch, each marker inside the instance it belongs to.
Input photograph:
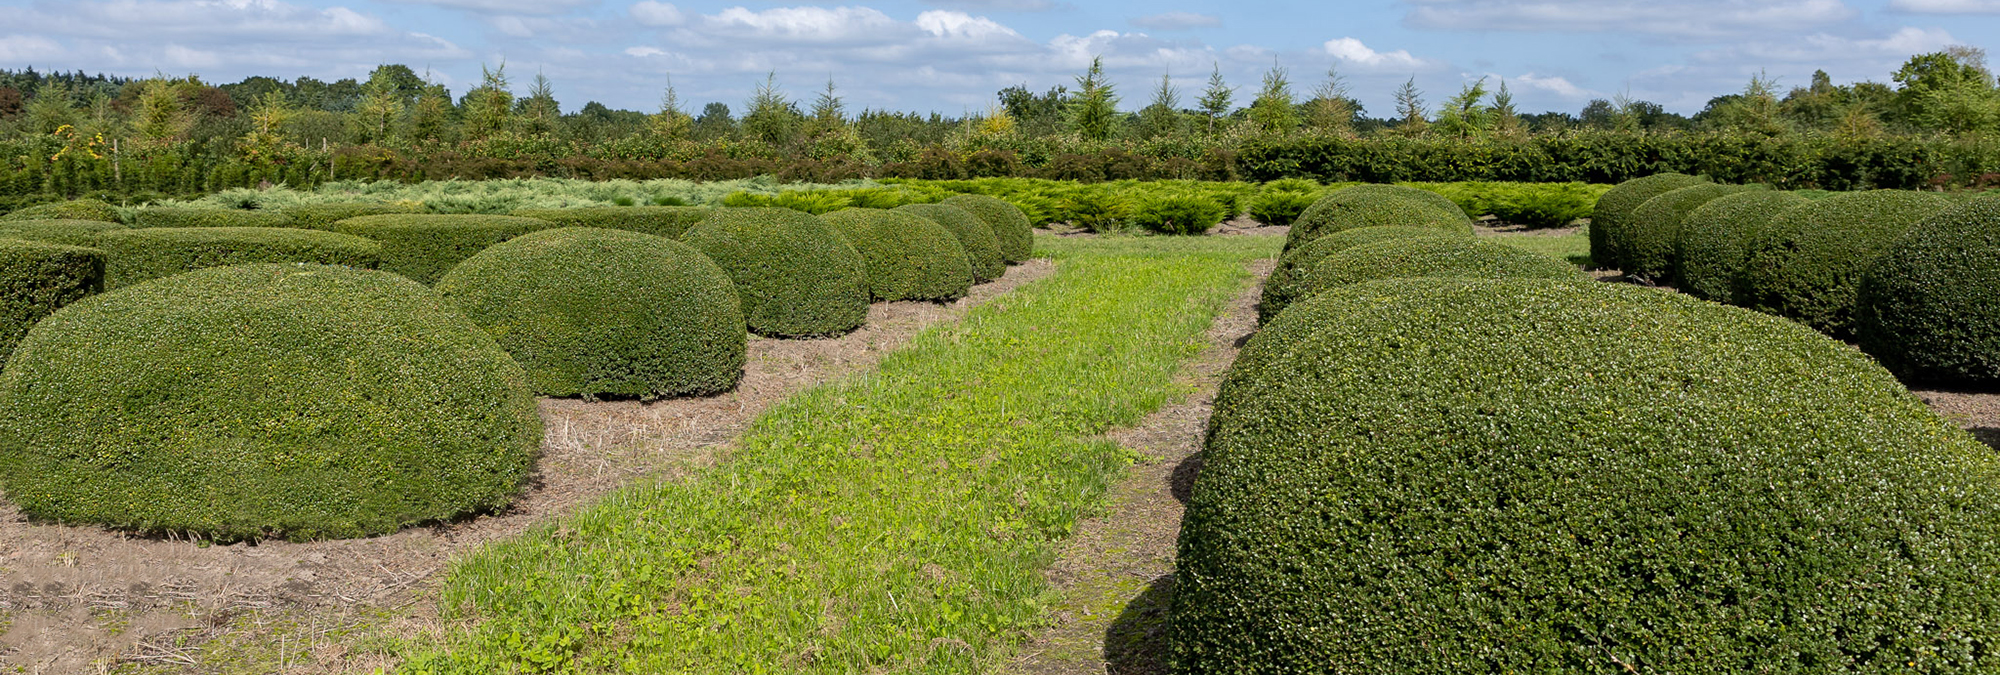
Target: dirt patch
(1976, 411)
(1490, 226)
(75, 598)
(1115, 575)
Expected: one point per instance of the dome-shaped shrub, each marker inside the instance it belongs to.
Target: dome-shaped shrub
(1459, 258)
(1444, 476)
(1287, 279)
(1362, 206)
(982, 248)
(424, 247)
(37, 279)
(662, 221)
(1929, 306)
(909, 257)
(1616, 207)
(1645, 243)
(1712, 245)
(1807, 263)
(796, 276)
(81, 209)
(69, 232)
(1009, 224)
(132, 256)
(323, 216)
(272, 400)
(191, 217)
(595, 312)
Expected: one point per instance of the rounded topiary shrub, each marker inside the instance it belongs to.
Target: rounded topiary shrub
(1287, 279)
(1462, 258)
(795, 276)
(80, 209)
(1645, 242)
(662, 221)
(37, 279)
(272, 400)
(982, 248)
(1615, 208)
(1362, 206)
(1807, 263)
(424, 247)
(1441, 476)
(185, 217)
(1010, 225)
(323, 216)
(1713, 241)
(605, 313)
(1929, 306)
(132, 256)
(909, 257)
(70, 232)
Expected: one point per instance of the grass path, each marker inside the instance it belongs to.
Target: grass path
(894, 522)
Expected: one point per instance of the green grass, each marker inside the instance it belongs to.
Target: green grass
(895, 521)
(1573, 247)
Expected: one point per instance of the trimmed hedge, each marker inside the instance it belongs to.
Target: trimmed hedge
(1929, 306)
(424, 247)
(1713, 242)
(1362, 206)
(323, 216)
(67, 232)
(1645, 242)
(982, 247)
(132, 256)
(80, 209)
(795, 275)
(271, 400)
(660, 221)
(1615, 208)
(1287, 280)
(36, 279)
(597, 312)
(1459, 258)
(1010, 226)
(1441, 476)
(1807, 263)
(909, 257)
(179, 217)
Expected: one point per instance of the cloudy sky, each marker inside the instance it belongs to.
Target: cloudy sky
(952, 55)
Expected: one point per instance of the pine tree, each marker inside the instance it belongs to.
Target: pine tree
(430, 118)
(51, 108)
(1093, 114)
(1462, 116)
(490, 106)
(1272, 111)
(829, 111)
(1216, 100)
(1506, 120)
(162, 115)
(380, 109)
(1162, 117)
(671, 121)
(772, 118)
(1410, 107)
(540, 113)
(1330, 110)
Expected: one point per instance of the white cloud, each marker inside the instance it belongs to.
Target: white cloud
(643, 52)
(503, 6)
(1350, 50)
(220, 39)
(1947, 6)
(802, 24)
(27, 49)
(650, 13)
(1177, 21)
(1560, 86)
(996, 5)
(947, 24)
(1708, 19)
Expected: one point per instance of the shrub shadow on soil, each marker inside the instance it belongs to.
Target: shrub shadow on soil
(1136, 643)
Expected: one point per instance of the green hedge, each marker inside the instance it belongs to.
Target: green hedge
(1713, 242)
(182, 217)
(796, 276)
(37, 279)
(1178, 214)
(323, 216)
(81, 209)
(662, 221)
(598, 312)
(1645, 240)
(271, 400)
(909, 257)
(1615, 208)
(133, 256)
(982, 246)
(68, 232)
(1446, 476)
(1287, 280)
(1010, 226)
(1463, 258)
(1807, 263)
(1929, 306)
(424, 247)
(1362, 206)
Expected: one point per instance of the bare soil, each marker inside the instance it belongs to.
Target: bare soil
(77, 599)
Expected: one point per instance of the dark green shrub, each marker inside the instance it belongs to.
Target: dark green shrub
(424, 247)
(132, 256)
(1287, 279)
(1178, 214)
(1807, 263)
(1645, 242)
(1362, 206)
(80, 209)
(273, 400)
(1929, 306)
(661, 221)
(909, 257)
(68, 232)
(1009, 224)
(795, 276)
(37, 279)
(323, 216)
(1616, 206)
(178, 217)
(1094, 210)
(598, 313)
(1459, 258)
(1712, 245)
(1443, 476)
(982, 247)
(1280, 207)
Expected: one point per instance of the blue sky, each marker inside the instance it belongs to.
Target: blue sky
(952, 55)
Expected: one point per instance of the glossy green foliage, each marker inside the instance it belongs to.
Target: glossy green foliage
(1458, 257)
(36, 279)
(133, 256)
(982, 246)
(795, 276)
(1645, 242)
(1713, 242)
(1615, 208)
(424, 247)
(909, 257)
(1375, 205)
(1929, 305)
(1287, 280)
(1010, 226)
(1807, 263)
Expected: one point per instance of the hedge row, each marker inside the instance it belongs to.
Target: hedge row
(908, 257)
(659, 221)
(36, 279)
(424, 247)
(1927, 305)
(1375, 205)
(133, 256)
(794, 275)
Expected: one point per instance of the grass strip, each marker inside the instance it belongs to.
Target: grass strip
(1573, 247)
(896, 521)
